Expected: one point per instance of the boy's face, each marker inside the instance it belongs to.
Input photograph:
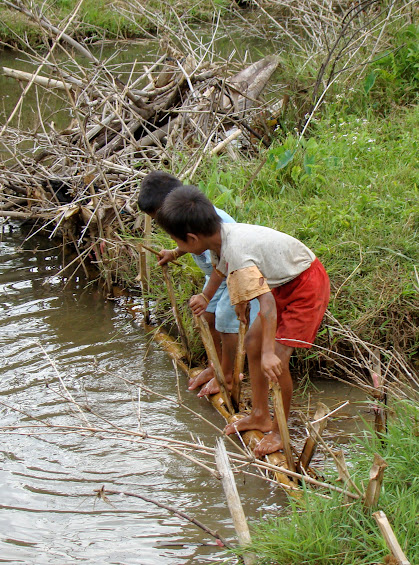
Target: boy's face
(194, 244)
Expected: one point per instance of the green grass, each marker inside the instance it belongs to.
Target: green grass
(100, 19)
(316, 531)
(351, 194)
(358, 210)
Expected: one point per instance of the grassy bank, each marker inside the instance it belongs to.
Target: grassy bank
(357, 209)
(316, 531)
(100, 19)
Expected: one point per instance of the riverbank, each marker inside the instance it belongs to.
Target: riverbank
(100, 19)
(316, 531)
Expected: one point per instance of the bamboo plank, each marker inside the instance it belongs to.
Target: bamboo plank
(282, 425)
(233, 499)
(390, 537)
(311, 442)
(213, 358)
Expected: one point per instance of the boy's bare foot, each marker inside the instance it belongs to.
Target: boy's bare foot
(268, 444)
(212, 387)
(250, 422)
(203, 377)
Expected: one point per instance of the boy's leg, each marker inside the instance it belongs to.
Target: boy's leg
(228, 349)
(272, 441)
(259, 418)
(227, 324)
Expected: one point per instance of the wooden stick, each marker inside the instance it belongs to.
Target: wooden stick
(239, 364)
(213, 358)
(233, 499)
(282, 425)
(102, 492)
(157, 253)
(335, 459)
(176, 314)
(311, 442)
(42, 81)
(378, 382)
(376, 480)
(390, 538)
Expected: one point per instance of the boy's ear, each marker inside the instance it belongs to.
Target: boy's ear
(192, 238)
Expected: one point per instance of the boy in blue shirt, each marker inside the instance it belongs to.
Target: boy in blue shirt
(218, 311)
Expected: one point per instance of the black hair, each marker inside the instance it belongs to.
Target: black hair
(187, 210)
(154, 189)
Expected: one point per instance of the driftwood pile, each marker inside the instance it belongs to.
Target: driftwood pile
(82, 182)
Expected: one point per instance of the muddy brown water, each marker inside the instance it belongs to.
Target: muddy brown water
(48, 512)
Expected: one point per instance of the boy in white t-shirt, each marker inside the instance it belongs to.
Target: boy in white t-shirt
(285, 276)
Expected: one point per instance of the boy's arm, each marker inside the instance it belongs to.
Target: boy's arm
(199, 302)
(167, 255)
(270, 362)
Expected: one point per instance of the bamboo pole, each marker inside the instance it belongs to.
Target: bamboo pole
(144, 285)
(336, 460)
(213, 358)
(343, 473)
(372, 493)
(40, 80)
(311, 442)
(144, 268)
(225, 142)
(239, 364)
(378, 380)
(282, 425)
(176, 313)
(389, 536)
(233, 499)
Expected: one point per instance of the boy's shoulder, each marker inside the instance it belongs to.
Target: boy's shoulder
(226, 218)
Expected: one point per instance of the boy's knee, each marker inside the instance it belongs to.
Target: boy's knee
(250, 343)
(284, 352)
(210, 318)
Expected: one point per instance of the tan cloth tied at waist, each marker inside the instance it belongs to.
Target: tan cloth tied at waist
(246, 284)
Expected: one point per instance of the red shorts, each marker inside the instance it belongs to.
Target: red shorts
(300, 306)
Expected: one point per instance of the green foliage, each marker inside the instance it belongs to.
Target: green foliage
(318, 531)
(350, 193)
(394, 75)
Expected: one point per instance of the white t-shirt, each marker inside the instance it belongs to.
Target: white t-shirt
(257, 259)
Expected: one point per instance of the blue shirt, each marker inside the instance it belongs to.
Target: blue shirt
(204, 260)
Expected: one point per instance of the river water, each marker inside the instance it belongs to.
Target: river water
(52, 328)
(48, 513)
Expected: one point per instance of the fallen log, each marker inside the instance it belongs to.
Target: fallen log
(46, 82)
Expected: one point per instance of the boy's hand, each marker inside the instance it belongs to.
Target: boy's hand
(166, 255)
(271, 366)
(242, 311)
(198, 304)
